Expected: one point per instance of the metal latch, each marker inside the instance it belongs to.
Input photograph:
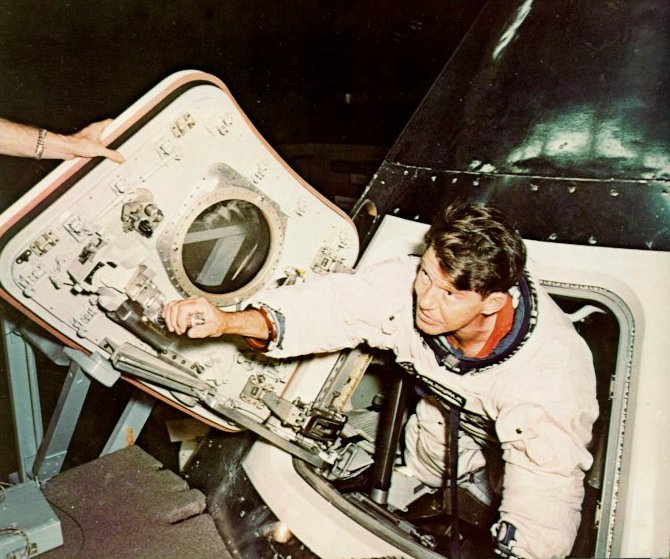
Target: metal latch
(328, 261)
(288, 412)
(182, 125)
(322, 425)
(315, 423)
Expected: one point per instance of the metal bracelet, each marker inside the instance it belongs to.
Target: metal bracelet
(41, 140)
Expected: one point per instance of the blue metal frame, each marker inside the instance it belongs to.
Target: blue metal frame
(41, 455)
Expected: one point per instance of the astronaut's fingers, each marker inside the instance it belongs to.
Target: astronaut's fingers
(196, 317)
(178, 314)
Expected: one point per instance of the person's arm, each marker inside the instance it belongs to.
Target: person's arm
(198, 318)
(328, 313)
(22, 140)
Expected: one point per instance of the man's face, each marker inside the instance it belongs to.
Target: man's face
(440, 307)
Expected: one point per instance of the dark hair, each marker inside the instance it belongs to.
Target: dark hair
(476, 248)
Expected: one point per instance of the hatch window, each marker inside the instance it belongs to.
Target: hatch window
(226, 246)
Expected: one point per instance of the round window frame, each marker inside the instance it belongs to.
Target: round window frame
(171, 246)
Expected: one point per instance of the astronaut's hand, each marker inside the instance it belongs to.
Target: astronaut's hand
(196, 317)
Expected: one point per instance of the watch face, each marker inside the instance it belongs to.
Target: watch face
(226, 246)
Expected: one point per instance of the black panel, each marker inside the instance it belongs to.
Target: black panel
(557, 112)
(619, 213)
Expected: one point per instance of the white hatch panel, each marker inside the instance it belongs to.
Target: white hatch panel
(202, 206)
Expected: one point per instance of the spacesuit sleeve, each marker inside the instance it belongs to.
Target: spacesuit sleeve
(340, 310)
(545, 456)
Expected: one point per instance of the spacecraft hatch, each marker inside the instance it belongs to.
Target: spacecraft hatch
(202, 206)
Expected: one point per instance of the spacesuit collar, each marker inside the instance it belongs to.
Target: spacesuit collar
(524, 320)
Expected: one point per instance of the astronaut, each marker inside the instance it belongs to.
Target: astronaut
(469, 320)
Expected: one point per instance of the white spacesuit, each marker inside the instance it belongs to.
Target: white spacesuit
(537, 397)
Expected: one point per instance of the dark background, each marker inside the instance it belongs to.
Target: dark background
(348, 73)
(313, 71)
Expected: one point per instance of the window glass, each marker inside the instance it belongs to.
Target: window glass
(226, 246)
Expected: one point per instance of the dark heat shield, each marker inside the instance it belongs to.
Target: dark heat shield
(555, 111)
